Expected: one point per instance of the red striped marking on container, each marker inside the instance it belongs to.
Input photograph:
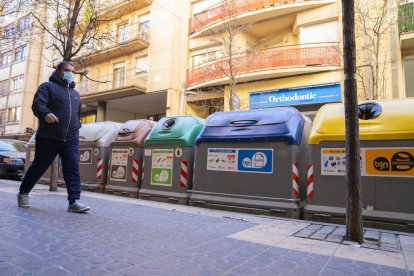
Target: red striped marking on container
(99, 168)
(295, 178)
(135, 170)
(310, 181)
(142, 176)
(184, 174)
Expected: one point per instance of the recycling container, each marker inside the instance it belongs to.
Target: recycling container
(95, 139)
(126, 157)
(386, 162)
(169, 159)
(253, 160)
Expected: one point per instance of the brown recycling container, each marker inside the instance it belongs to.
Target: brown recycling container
(125, 158)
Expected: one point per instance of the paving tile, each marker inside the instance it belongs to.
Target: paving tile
(125, 238)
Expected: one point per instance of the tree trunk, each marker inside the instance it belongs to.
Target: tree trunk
(54, 172)
(354, 228)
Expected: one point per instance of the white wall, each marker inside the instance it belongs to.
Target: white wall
(322, 32)
(203, 5)
(118, 115)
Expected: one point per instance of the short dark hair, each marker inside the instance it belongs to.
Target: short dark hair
(63, 63)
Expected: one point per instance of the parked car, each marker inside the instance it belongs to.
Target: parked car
(12, 157)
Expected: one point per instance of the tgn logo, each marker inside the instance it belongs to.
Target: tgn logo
(382, 164)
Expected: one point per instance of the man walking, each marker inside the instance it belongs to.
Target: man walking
(57, 106)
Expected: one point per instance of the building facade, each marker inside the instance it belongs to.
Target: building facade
(290, 53)
(406, 45)
(138, 75)
(169, 57)
(22, 69)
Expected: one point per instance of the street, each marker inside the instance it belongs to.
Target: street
(125, 236)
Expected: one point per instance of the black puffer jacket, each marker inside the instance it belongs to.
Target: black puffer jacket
(61, 99)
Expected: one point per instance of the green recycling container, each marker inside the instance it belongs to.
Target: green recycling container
(169, 159)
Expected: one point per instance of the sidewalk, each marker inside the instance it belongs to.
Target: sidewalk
(122, 236)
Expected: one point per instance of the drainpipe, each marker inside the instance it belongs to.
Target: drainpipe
(182, 99)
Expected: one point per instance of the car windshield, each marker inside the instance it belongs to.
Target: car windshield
(12, 146)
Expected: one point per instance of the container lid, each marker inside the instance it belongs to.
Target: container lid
(180, 130)
(379, 120)
(271, 124)
(134, 132)
(32, 139)
(102, 133)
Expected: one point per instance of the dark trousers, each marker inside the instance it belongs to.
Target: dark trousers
(45, 152)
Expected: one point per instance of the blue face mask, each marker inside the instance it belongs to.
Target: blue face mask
(69, 77)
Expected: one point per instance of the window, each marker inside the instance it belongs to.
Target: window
(202, 58)
(6, 58)
(122, 33)
(10, 145)
(8, 31)
(408, 64)
(145, 26)
(14, 114)
(4, 87)
(17, 83)
(141, 65)
(119, 75)
(10, 6)
(20, 53)
(24, 23)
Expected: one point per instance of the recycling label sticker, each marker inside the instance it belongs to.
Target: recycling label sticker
(162, 167)
(119, 164)
(240, 160)
(85, 156)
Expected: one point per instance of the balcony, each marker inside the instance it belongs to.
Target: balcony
(406, 25)
(113, 9)
(267, 63)
(136, 38)
(124, 83)
(256, 10)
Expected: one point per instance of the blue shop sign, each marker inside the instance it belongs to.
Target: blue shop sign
(296, 96)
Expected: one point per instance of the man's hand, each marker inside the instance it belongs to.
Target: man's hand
(51, 118)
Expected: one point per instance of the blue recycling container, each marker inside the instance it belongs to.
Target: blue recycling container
(254, 159)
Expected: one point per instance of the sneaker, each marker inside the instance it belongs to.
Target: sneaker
(78, 208)
(23, 200)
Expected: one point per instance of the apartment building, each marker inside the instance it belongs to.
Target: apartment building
(164, 59)
(406, 43)
(22, 69)
(290, 53)
(140, 73)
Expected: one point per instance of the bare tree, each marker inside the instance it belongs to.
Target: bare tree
(77, 27)
(234, 56)
(375, 24)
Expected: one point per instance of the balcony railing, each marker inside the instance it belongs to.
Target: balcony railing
(231, 8)
(120, 80)
(136, 33)
(272, 58)
(406, 18)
